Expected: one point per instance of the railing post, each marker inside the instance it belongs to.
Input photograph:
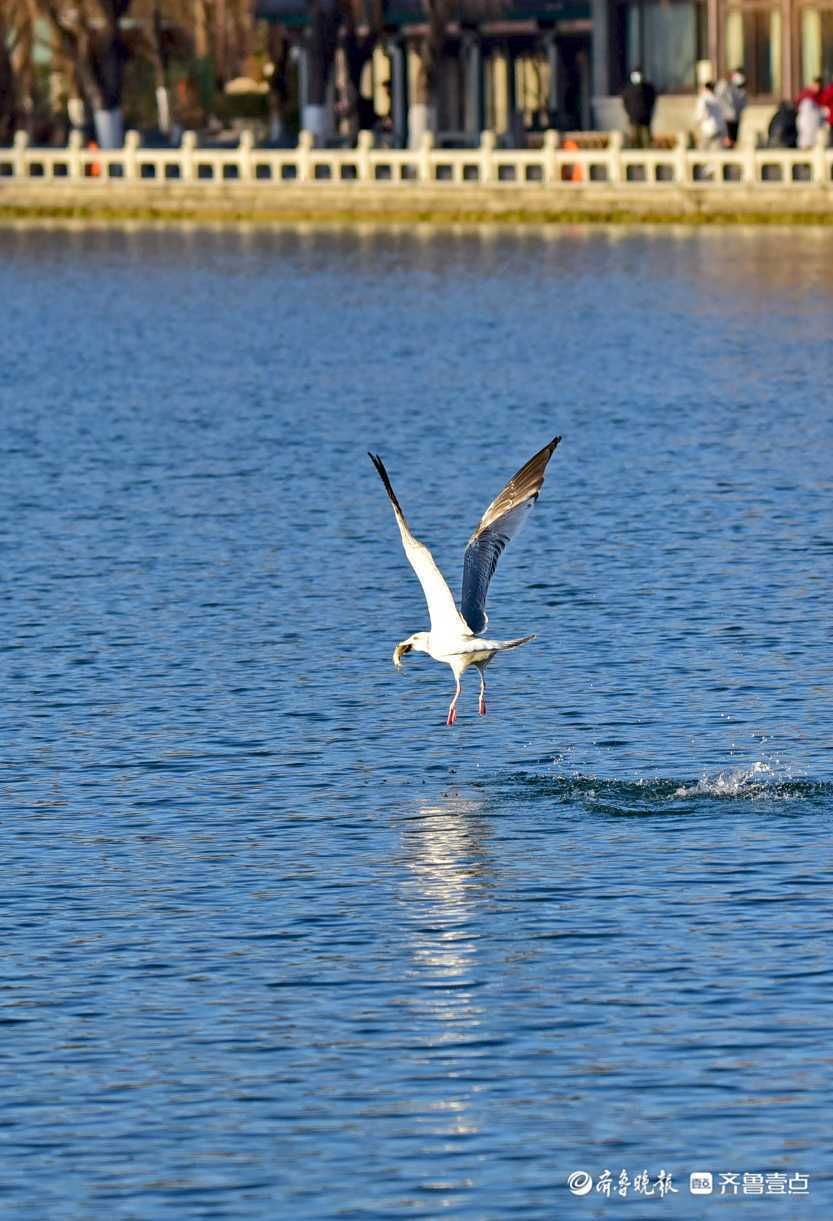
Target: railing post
(424, 154)
(132, 144)
(306, 142)
(682, 168)
(614, 156)
(820, 156)
(74, 146)
(21, 144)
(552, 139)
(487, 148)
(187, 150)
(750, 164)
(364, 147)
(245, 145)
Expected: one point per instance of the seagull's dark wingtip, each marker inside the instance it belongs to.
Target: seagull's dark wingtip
(383, 475)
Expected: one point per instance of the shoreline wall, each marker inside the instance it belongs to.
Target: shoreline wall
(562, 179)
(416, 202)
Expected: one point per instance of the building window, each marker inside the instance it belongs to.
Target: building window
(753, 41)
(816, 44)
(666, 39)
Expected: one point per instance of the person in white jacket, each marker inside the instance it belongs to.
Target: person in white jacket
(709, 119)
(809, 121)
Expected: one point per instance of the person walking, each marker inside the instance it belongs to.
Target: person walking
(732, 97)
(813, 90)
(782, 131)
(811, 116)
(639, 99)
(709, 119)
(826, 101)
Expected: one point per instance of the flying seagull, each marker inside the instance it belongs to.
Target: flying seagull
(455, 634)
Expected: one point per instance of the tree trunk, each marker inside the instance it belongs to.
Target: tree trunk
(422, 118)
(109, 57)
(153, 44)
(200, 30)
(163, 109)
(220, 41)
(358, 51)
(97, 58)
(321, 46)
(422, 114)
(17, 24)
(109, 127)
(278, 45)
(75, 44)
(242, 35)
(7, 86)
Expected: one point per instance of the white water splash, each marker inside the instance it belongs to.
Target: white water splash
(757, 780)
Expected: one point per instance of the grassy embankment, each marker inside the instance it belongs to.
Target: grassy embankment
(120, 213)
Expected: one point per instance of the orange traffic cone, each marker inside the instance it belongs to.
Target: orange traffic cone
(572, 173)
(95, 166)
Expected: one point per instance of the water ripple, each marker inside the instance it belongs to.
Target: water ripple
(760, 782)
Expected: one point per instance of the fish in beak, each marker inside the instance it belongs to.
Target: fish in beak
(400, 651)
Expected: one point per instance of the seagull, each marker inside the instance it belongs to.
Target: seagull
(455, 637)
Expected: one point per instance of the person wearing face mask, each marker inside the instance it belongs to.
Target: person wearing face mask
(639, 98)
(732, 97)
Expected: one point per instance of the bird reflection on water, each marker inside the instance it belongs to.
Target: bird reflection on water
(447, 876)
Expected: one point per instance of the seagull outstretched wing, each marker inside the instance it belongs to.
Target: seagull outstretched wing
(499, 524)
(442, 609)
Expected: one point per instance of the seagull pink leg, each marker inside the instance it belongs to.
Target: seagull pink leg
(482, 694)
(452, 707)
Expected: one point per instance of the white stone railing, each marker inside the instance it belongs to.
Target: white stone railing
(609, 164)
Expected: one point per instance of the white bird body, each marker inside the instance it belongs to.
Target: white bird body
(454, 636)
(460, 651)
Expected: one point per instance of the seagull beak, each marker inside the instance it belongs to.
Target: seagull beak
(399, 652)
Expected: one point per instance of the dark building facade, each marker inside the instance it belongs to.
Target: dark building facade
(563, 63)
(522, 68)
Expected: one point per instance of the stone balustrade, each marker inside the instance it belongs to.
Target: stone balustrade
(565, 161)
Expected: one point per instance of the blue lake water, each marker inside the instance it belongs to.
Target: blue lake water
(276, 941)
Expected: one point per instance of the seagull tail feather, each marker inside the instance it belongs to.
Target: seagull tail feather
(513, 644)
